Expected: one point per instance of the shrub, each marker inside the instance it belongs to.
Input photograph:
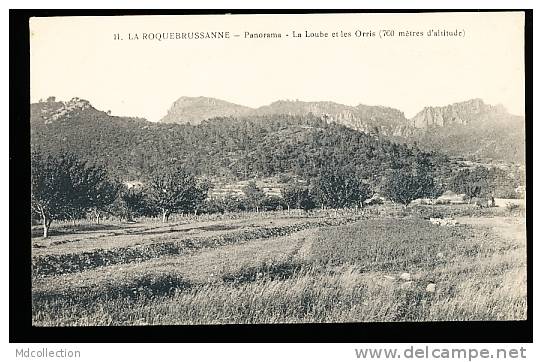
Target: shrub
(273, 203)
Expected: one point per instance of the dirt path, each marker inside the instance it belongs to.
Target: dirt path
(509, 228)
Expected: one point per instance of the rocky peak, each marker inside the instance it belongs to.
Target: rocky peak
(51, 110)
(197, 109)
(462, 113)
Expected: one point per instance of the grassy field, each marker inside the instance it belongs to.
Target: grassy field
(287, 268)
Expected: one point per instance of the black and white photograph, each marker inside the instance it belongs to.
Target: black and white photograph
(278, 169)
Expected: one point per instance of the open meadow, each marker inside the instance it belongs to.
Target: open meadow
(279, 267)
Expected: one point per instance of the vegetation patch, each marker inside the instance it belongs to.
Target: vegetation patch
(372, 270)
(54, 264)
(271, 271)
(392, 244)
(144, 287)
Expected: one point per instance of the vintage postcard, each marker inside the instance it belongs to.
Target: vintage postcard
(278, 168)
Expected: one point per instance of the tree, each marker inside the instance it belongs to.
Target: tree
(340, 187)
(214, 206)
(171, 188)
(102, 192)
(405, 186)
(298, 197)
(62, 187)
(272, 203)
(234, 203)
(48, 192)
(484, 182)
(202, 190)
(254, 196)
(473, 183)
(307, 200)
(131, 202)
(91, 189)
(502, 184)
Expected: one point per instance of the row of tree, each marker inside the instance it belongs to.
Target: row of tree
(65, 188)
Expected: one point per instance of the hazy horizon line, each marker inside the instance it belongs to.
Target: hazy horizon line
(93, 103)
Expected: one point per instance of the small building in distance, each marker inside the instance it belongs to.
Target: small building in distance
(423, 201)
(221, 189)
(134, 184)
(376, 199)
(450, 197)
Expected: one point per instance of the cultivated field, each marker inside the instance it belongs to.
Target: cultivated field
(374, 265)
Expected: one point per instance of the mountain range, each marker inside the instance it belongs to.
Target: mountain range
(465, 129)
(387, 120)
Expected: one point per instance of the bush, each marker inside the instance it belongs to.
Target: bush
(374, 201)
(273, 203)
(235, 204)
(213, 206)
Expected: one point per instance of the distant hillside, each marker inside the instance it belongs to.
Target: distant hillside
(463, 113)
(369, 119)
(227, 148)
(193, 110)
(52, 112)
(466, 129)
(471, 129)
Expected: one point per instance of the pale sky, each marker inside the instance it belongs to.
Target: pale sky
(78, 57)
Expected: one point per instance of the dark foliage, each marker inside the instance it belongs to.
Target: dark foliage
(484, 182)
(298, 197)
(237, 148)
(63, 187)
(403, 186)
(340, 187)
(171, 188)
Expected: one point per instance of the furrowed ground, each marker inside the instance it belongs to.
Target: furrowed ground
(284, 268)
